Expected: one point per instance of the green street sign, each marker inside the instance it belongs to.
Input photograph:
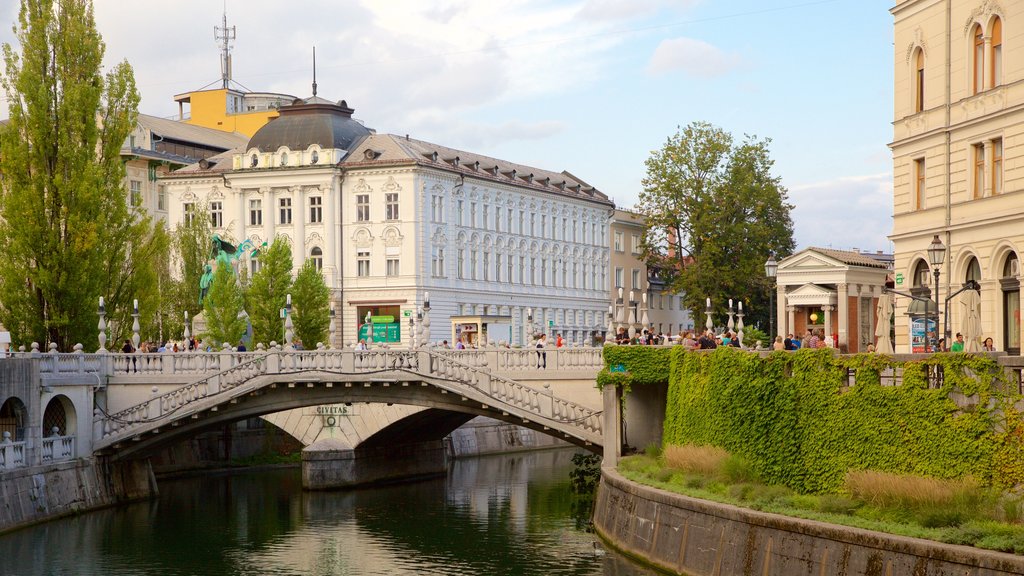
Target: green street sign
(899, 278)
(406, 313)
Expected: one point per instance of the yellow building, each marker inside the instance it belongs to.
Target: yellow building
(957, 136)
(229, 109)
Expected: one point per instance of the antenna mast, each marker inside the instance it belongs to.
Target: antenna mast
(225, 35)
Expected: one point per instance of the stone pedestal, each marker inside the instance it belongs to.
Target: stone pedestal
(330, 464)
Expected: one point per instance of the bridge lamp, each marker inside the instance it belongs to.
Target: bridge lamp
(771, 268)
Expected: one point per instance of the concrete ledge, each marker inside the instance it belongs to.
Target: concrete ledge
(327, 467)
(40, 493)
(689, 536)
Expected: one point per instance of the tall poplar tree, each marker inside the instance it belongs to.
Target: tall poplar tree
(222, 307)
(67, 235)
(714, 213)
(268, 291)
(311, 300)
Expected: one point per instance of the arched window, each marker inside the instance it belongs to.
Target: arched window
(317, 255)
(996, 58)
(919, 81)
(973, 270)
(978, 60)
(1010, 284)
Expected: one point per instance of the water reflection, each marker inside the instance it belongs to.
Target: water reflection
(505, 514)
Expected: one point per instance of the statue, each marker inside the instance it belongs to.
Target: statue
(222, 252)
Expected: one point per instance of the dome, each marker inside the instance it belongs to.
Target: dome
(303, 124)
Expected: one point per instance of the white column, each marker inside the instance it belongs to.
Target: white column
(243, 221)
(299, 222)
(844, 315)
(269, 214)
(791, 319)
(828, 320)
(783, 323)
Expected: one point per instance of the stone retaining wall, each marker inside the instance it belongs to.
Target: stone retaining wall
(34, 494)
(700, 538)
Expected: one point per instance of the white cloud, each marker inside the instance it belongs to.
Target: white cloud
(617, 10)
(695, 57)
(844, 213)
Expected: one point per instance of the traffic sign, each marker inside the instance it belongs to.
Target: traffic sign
(899, 278)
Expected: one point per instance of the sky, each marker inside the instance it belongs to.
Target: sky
(588, 86)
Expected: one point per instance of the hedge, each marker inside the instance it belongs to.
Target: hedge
(798, 420)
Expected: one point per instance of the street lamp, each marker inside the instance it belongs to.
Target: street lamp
(771, 267)
(936, 254)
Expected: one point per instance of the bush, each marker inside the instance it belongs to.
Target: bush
(886, 490)
(738, 469)
(653, 450)
(704, 460)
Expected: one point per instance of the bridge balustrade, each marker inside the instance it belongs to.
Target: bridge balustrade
(12, 454)
(58, 448)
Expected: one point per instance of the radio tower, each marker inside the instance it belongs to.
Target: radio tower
(225, 35)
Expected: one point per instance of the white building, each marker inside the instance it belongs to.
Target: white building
(390, 219)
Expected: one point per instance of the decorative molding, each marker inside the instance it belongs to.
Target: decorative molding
(984, 12)
(314, 239)
(392, 236)
(362, 187)
(918, 42)
(362, 238)
(391, 185)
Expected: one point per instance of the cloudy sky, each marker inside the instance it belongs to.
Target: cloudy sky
(588, 86)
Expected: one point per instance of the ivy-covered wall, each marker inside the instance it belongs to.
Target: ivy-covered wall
(801, 421)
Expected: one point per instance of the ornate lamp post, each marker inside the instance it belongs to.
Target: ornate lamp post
(529, 325)
(936, 255)
(732, 312)
(135, 324)
(412, 333)
(289, 332)
(188, 333)
(632, 316)
(620, 313)
(771, 268)
(330, 328)
(709, 311)
(426, 317)
(739, 324)
(419, 327)
(102, 325)
(369, 329)
(611, 324)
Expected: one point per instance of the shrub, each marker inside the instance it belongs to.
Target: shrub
(738, 469)
(886, 490)
(705, 460)
(834, 504)
(653, 450)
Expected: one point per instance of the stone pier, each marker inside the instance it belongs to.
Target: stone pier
(330, 464)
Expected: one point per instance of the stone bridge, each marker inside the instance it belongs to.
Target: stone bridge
(126, 406)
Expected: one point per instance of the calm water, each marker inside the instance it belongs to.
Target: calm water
(509, 514)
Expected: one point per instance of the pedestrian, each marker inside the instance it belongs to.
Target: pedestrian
(444, 344)
(812, 340)
(559, 342)
(361, 345)
(779, 344)
(958, 344)
(241, 346)
(129, 363)
(707, 341)
(542, 357)
(988, 345)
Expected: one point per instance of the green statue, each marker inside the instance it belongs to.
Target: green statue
(224, 253)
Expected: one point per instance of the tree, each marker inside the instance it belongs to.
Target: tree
(223, 308)
(66, 232)
(714, 213)
(268, 291)
(311, 301)
(190, 252)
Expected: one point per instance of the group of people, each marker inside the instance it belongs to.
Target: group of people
(958, 345)
(191, 345)
(642, 338)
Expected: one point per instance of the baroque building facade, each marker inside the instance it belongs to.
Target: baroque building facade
(391, 219)
(957, 140)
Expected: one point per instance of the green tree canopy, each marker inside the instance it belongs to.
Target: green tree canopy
(311, 303)
(66, 232)
(268, 290)
(714, 213)
(222, 307)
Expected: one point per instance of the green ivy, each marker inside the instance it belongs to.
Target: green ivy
(804, 418)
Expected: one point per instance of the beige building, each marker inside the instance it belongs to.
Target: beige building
(957, 136)
(665, 310)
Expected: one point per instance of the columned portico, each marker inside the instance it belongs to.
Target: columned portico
(815, 288)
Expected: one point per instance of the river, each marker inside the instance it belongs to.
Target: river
(507, 514)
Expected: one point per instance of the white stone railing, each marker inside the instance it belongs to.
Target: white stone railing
(58, 448)
(12, 455)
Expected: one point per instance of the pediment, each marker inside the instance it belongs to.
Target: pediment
(811, 295)
(811, 290)
(810, 260)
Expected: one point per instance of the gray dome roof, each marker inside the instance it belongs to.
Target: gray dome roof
(305, 123)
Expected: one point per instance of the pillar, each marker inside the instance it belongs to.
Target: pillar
(329, 465)
(828, 320)
(844, 316)
(783, 322)
(299, 222)
(269, 214)
(612, 426)
(791, 316)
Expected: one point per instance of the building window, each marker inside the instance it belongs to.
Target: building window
(543, 224)
(437, 263)
(363, 263)
(919, 81)
(436, 208)
(996, 59)
(286, 210)
(620, 276)
(472, 214)
(978, 61)
(508, 221)
(497, 218)
(978, 174)
(497, 266)
(254, 265)
(533, 271)
(392, 267)
(533, 223)
(135, 187)
(391, 206)
(635, 279)
(522, 269)
(919, 181)
(1010, 284)
(487, 264)
(217, 214)
(635, 248)
(543, 271)
(472, 264)
(460, 264)
(189, 210)
(362, 207)
(255, 212)
(486, 217)
(316, 209)
(618, 242)
(522, 224)
(997, 166)
(161, 198)
(459, 209)
(317, 256)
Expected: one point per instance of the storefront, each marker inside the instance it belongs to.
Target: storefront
(385, 319)
(476, 331)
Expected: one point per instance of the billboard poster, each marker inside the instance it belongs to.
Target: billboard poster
(920, 329)
(390, 332)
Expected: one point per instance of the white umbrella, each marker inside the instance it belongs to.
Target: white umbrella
(971, 301)
(883, 323)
